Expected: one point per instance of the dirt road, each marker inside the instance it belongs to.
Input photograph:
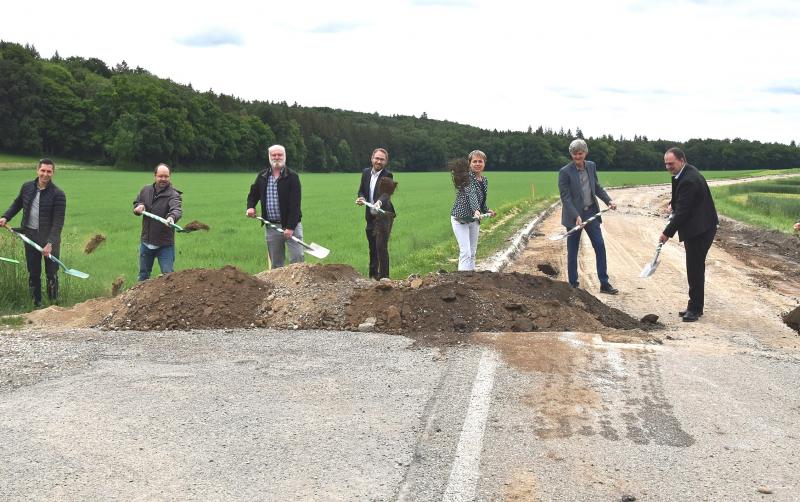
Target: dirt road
(711, 413)
(736, 301)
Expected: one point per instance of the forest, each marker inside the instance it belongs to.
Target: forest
(82, 109)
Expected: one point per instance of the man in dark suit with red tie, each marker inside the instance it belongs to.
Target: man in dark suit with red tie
(369, 191)
(694, 218)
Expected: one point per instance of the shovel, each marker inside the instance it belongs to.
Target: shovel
(9, 260)
(166, 222)
(313, 249)
(558, 237)
(651, 267)
(483, 216)
(67, 270)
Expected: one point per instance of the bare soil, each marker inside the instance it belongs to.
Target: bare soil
(194, 298)
(752, 286)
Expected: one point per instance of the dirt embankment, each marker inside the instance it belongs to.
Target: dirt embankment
(312, 296)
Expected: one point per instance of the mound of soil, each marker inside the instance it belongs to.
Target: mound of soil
(483, 301)
(309, 296)
(195, 298)
(759, 248)
(335, 296)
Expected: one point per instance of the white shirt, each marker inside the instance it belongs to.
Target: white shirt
(372, 182)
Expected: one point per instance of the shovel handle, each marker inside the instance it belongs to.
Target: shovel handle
(372, 206)
(279, 229)
(163, 220)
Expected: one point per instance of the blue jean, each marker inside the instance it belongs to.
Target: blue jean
(596, 238)
(166, 260)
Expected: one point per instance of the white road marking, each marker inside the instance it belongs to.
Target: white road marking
(466, 464)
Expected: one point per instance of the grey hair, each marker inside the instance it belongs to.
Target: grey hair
(578, 145)
(277, 147)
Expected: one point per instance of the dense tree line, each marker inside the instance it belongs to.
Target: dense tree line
(82, 109)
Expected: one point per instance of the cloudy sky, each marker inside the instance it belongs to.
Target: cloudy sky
(665, 69)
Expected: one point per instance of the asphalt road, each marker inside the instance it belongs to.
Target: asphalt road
(268, 415)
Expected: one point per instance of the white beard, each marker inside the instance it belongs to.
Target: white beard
(277, 164)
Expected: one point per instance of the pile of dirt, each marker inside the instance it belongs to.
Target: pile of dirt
(195, 298)
(483, 301)
(761, 250)
(792, 319)
(309, 296)
(335, 296)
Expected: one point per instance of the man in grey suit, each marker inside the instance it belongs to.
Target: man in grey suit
(579, 189)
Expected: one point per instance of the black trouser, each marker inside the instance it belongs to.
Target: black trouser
(696, 251)
(378, 232)
(34, 259)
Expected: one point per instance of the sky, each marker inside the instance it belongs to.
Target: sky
(663, 69)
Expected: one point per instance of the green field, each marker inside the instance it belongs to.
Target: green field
(100, 201)
(771, 204)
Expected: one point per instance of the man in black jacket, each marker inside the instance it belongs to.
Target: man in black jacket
(158, 239)
(278, 191)
(369, 191)
(694, 218)
(43, 207)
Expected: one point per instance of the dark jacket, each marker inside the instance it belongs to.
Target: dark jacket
(693, 211)
(52, 209)
(363, 191)
(569, 186)
(288, 196)
(165, 203)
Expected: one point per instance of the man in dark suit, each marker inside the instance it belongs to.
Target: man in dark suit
(579, 189)
(695, 219)
(368, 191)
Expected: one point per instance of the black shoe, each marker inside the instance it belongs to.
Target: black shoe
(576, 285)
(608, 289)
(690, 316)
(683, 313)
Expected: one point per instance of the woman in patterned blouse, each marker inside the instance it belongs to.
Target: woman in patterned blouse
(470, 203)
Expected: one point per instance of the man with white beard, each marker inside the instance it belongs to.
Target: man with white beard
(278, 190)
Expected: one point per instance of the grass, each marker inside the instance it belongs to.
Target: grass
(771, 204)
(9, 161)
(99, 201)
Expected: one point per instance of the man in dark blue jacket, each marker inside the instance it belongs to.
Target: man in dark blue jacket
(278, 191)
(579, 189)
(694, 218)
(44, 206)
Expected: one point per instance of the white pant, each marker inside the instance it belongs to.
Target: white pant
(467, 237)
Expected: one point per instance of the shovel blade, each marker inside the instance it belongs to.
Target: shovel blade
(317, 251)
(556, 237)
(649, 269)
(76, 273)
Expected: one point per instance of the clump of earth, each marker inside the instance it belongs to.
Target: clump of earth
(792, 319)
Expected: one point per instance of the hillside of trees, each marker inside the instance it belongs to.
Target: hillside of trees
(82, 109)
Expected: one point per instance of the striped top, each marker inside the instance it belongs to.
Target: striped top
(471, 198)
